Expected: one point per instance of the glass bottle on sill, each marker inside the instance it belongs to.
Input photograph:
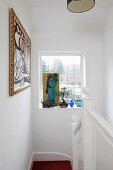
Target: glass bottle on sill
(71, 103)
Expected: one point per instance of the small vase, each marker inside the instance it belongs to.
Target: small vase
(71, 103)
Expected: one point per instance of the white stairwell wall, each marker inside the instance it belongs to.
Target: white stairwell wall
(108, 68)
(15, 112)
(51, 127)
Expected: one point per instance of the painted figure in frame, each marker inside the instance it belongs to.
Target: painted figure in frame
(52, 80)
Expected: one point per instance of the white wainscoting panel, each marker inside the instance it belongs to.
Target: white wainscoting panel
(98, 142)
(104, 151)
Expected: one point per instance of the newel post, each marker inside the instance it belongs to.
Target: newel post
(87, 98)
(88, 130)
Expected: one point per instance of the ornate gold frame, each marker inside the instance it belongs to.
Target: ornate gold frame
(13, 18)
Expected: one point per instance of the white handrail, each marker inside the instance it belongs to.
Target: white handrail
(103, 123)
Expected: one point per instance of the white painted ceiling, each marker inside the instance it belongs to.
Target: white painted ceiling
(52, 16)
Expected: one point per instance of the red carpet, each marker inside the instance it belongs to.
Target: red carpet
(52, 165)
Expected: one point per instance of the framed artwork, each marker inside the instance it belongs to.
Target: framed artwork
(19, 56)
(50, 83)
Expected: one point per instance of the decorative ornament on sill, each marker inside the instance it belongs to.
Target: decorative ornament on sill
(63, 93)
(79, 6)
(71, 103)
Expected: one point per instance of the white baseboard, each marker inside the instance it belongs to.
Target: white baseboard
(48, 156)
(31, 162)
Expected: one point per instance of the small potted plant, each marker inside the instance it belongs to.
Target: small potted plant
(63, 93)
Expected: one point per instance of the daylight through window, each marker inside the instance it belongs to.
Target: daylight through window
(70, 74)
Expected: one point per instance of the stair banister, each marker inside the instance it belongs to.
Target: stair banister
(98, 138)
(88, 130)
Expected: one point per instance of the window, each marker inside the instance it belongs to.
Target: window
(70, 69)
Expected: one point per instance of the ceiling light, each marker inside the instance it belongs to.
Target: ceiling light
(79, 6)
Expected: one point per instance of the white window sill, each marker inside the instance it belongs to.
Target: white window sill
(58, 108)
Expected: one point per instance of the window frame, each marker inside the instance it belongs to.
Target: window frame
(61, 53)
